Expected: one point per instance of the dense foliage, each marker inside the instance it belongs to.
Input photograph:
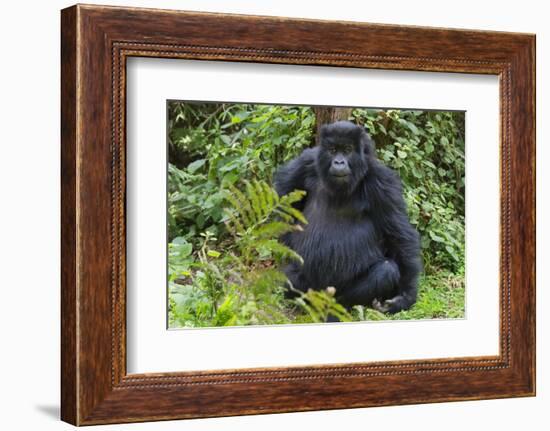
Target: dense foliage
(223, 248)
(211, 145)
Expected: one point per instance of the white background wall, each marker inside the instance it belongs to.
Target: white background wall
(29, 219)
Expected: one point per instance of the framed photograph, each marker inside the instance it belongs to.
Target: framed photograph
(264, 214)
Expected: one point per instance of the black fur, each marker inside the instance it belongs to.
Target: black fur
(358, 238)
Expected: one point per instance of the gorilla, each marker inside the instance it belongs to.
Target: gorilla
(358, 238)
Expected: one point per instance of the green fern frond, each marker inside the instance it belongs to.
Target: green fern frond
(257, 217)
(262, 198)
(313, 314)
(283, 215)
(260, 204)
(241, 204)
(319, 305)
(279, 250)
(274, 229)
(233, 221)
(292, 197)
(255, 201)
(296, 214)
(271, 196)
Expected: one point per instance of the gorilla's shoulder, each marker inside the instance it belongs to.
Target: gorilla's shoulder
(386, 175)
(297, 174)
(309, 155)
(384, 185)
(308, 161)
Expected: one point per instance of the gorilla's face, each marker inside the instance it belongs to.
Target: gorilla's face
(342, 161)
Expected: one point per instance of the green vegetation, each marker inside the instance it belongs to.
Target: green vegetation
(224, 218)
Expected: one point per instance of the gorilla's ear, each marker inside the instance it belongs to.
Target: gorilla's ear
(367, 143)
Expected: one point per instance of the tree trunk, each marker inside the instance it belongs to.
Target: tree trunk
(325, 115)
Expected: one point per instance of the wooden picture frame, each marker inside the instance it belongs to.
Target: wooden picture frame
(95, 43)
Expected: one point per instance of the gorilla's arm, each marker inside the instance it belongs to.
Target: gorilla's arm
(402, 241)
(298, 174)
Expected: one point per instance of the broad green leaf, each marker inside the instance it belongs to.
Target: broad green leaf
(196, 165)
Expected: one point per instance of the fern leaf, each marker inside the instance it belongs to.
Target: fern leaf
(254, 200)
(274, 229)
(234, 222)
(339, 311)
(264, 209)
(234, 202)
(286, 217)
(313, 314)
(279, 250)
(323, 305)
(292, 197)
(296, 214)
(242, 205)
(271, 195)
(246, 209)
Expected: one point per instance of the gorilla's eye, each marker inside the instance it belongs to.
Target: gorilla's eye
(332, 150)
(348, 149)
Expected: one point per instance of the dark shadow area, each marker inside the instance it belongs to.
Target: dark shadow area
(49, 410)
